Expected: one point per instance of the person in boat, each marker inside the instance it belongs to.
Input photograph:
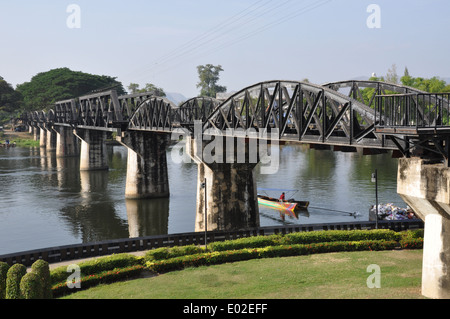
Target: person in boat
(282, 197)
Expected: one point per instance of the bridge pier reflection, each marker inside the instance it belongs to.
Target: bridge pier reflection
(147, 217)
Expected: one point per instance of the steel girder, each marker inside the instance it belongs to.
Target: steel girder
(299, 111)
(334, 113)
(195, 109)
(153, 114)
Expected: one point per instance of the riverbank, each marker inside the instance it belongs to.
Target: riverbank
(21, 139)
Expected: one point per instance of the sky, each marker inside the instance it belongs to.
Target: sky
(163, 42)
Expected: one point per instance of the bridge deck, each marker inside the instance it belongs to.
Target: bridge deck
(412, 131)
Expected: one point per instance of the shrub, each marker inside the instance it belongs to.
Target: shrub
(31, 286)
(306, 238)
(3, 271)
(212, 258)
(166, 252)
(411, 243)
(96, 266)
(412, 233)
(41, 268)
(248, 242)
(339, 235)
(13, 277)
(99, 278)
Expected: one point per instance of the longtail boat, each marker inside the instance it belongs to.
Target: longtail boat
(290, 204)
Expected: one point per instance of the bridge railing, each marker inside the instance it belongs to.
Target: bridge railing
(413, 110)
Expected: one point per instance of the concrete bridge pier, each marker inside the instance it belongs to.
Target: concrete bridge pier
(426, 189)
(51, 139)
(67, 143)
(42, 136)
(147, 174)
(231, 193)
(36, 132)
(93, 155)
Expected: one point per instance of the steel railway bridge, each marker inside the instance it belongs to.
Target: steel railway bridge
(388, 117)
(346, 116)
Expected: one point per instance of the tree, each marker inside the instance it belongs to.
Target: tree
(134, 88)
(209, 76)
(432, 85)
(10, 100)
(55, 85)
(391, 75)
(406, 79)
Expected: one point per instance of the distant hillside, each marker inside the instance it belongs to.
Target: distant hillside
(176, 98)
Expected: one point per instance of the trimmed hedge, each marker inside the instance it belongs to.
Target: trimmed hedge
(13, 278)
(31, 286)
(104, 277)
(340, 235)
(3, 272)
(218, 257)
(166, 252)
(411, 243)
(306, 238)
(42, 270)
(97, 265)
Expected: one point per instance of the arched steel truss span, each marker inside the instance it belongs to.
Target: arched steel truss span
(335, 113)
(301, 112)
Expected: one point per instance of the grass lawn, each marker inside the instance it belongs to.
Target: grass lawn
(322, 276)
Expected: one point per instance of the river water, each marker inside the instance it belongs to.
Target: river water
(46, 201)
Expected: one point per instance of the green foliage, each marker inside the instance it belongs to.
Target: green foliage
(42, 270)
(166, 252)
(10, 101)
(103, 277)
(214, 258)
(249, 242)
(31, 286)
(432, 85)
(209, 76)
(157, 91)
(305, 238)
(96, 265)
(3, 271)
(411, 243)
(340, 235)
(13, 278)
(61, 84)
(412, 234)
